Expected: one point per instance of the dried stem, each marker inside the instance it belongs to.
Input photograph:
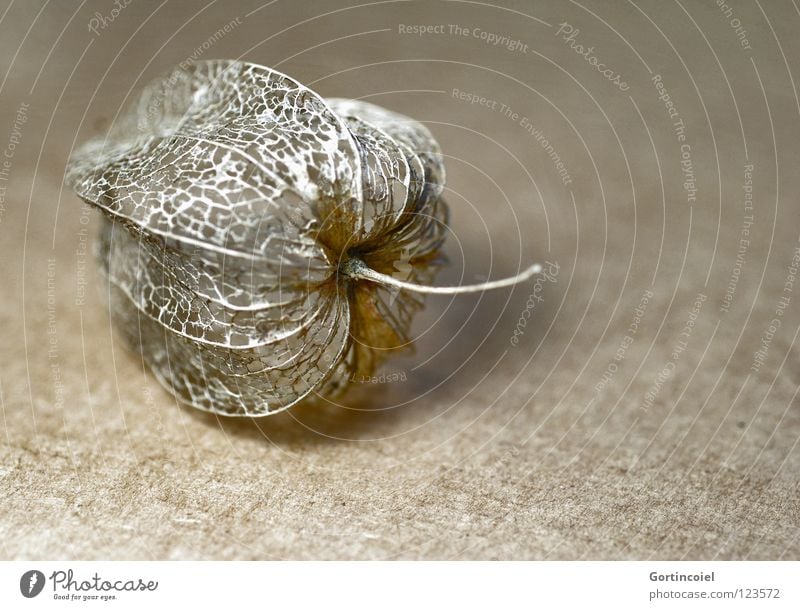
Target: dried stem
(357, 269)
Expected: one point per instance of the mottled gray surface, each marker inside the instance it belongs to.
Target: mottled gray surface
(487, 449)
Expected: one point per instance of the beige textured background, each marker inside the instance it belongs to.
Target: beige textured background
(487, 450)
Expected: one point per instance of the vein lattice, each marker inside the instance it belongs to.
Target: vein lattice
(232, 198)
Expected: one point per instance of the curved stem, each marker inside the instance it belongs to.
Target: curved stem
(357, 269)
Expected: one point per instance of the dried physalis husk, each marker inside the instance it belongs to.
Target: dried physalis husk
(262, 243)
